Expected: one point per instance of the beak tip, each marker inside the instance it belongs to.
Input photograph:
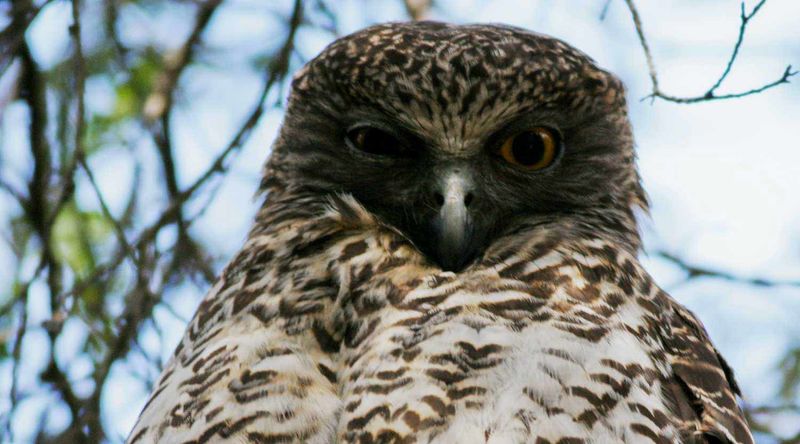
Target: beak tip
(455, 254)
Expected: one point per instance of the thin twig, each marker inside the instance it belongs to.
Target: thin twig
(276, 72)
(141, 300)
(604, 11)
(119, 231)
(158, 112)
(80, 79)
(54, 375)
(67, 185)
(35, 209)
(651, 65)
(139, 305)
(110, 16)
(333, 23)
(160, 100)
(694, 271)
(44, 220)
(23, 14)
(16, 352)
(10, 189)
(769, 409)
(169, 214)
(710, 94)
(745, 18)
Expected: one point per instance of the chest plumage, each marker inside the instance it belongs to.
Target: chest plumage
(339, 330)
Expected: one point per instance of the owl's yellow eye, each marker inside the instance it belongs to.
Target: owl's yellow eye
(532, 149)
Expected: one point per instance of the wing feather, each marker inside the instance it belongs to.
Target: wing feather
(702, 388)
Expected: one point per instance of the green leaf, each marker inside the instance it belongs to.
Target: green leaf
(74, 234)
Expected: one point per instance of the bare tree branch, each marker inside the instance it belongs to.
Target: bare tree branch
(604, 11)
(15, 193)
(118, 230)
(275, 73)
(35, 205)
(67, 185)
(80, 78)
(710, 94)
(159, 102)
(158, 110)
(23, 13)
(756, 410)
(745, 18)
(142, 299)
(111, 15)
(694, 271)
(278, 69)
(16, 352)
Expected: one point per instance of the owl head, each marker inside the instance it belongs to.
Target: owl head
(457, 135)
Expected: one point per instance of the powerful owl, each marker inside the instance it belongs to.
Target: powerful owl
(446, 252)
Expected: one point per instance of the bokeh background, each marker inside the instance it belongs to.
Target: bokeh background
(128, 165)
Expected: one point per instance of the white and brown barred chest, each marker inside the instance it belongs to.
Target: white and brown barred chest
(318, 334)
(551, 346)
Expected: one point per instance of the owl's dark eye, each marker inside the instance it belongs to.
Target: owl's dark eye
(374, 141)
(532, 149)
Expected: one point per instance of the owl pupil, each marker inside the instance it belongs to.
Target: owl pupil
(528, 148)
(375, 141)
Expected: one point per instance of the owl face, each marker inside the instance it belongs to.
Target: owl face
(455, 135)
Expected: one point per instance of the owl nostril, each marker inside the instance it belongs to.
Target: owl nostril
(439, 198)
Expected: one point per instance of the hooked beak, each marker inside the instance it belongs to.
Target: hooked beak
(453, 226)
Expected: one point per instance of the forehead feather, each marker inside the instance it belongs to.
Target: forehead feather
(456, 82)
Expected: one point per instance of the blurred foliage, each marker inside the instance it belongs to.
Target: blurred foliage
(108, 270)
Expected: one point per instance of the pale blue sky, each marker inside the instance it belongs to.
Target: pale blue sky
(723, 177)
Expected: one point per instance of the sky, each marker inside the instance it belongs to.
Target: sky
(723, 177)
